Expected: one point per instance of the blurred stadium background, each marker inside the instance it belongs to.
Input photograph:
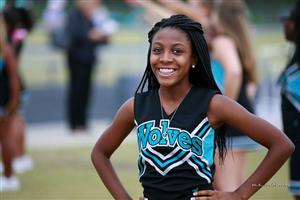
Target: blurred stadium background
(123, 60)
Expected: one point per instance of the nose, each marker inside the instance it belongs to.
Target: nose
(166, 57)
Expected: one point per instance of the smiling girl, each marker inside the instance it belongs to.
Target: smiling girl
(179, 113)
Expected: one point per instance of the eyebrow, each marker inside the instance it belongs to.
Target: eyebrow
(173, 44)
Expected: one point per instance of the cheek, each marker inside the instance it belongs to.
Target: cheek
(185, 62)
(153, 60)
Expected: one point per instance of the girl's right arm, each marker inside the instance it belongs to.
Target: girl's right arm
(109, 141)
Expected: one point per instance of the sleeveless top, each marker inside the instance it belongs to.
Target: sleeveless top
(243, 99)
(290, 101)
(176, 154)
(4, 83)
(290, 85)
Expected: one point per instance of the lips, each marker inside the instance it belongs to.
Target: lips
(166, 71)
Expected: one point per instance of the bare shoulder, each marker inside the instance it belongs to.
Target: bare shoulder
(221, 108)
(127, 109)
(124, 118)
(118, 130)
(128, 105)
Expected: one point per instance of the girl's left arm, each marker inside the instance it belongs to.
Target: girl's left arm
(224, 110)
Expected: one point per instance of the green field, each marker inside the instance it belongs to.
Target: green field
(69, 174)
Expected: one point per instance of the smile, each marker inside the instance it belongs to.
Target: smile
(166, 71)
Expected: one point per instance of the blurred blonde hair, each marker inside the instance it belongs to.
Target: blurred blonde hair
(2, 34)
(234, 23)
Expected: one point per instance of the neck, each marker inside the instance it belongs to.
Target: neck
(170, 98)
(174, 93)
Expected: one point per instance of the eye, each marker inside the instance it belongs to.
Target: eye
(177, 51)
(156, 50)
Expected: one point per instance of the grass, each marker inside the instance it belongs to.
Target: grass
(68, 174)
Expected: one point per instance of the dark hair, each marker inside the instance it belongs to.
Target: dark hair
(201, 75)
(17, 16)
(295, 16)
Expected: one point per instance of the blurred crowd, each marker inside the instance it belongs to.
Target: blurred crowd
(81, 31)
(16, 22)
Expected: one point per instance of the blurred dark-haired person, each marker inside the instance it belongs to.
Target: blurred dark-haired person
(9, 101)
(19, 21)
(290, 95)
(84, 38)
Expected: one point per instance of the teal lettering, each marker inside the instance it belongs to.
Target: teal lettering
(143, 133)
(172, 134)
(163, 140)
(184, 140)
(164, 136)
(154, 137)
(197, 146)
(164, 124)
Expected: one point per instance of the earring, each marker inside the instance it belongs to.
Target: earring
(193, 66)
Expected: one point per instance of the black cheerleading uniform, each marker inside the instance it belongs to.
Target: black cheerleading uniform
(176, 153)
(290, 109)
(4, 84)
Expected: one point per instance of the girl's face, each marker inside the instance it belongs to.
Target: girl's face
(171, 57)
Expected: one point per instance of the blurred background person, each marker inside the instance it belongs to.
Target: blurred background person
(234, 68)
(153, 11)
(290, 95)
(19, 21)
(54, 17)
(9, 101)
(84, 36)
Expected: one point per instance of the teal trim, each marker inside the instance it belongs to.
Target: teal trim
(1, 63)
(294, 187)
(203, 130)
(218, 73)
(140, 165)
(163, 164)
(294, 190)
(202, 166)
(290, 84)
(2, 4)
(208, 147)
(22, 4)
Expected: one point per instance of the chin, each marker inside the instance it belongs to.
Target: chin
(166, 83)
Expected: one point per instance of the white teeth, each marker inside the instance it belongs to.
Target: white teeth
(166, 71)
